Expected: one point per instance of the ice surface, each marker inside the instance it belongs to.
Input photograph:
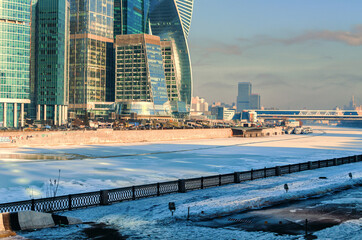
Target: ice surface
(95, 167)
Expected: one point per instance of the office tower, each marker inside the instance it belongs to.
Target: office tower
(91, 38)
(172, 80)
(50, 60)
(171, 21)
(15, 22)
(131, 17)
(243, 99)
(254, 101)
(140, 78)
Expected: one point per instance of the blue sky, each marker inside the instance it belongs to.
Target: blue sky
(296, 53)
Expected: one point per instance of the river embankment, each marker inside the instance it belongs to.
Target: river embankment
(106, 136)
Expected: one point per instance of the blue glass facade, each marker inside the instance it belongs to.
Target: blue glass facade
(140, 76)
(131, 16)
(91, 38)
(14, 59)
(170, 20)
(157, 79)
(50, 72)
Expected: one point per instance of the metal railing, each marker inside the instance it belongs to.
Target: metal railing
(105, 197)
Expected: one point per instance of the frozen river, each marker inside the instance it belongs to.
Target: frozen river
(25, 172)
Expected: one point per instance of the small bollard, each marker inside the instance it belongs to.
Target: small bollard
(286, 187)
(350, 175)
(172, 207)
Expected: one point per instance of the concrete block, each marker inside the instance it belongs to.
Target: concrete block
(72, 221)
(32, 220)
(28, 220)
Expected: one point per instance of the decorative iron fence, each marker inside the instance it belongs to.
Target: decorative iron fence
(105, 197)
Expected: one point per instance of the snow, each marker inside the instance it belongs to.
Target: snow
(150, 218)
(94, 167)
(350, 230)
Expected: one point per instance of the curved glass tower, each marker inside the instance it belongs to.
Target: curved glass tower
(170, 20)
(185, 8)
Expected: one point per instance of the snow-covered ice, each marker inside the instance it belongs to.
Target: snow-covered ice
(94, 167)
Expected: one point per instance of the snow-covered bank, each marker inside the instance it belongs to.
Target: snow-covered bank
(151, 219)
(95, 167)
(350, 230)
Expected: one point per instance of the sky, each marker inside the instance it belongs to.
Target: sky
(297, 54)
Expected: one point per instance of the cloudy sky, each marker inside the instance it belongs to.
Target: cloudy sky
(296, 53)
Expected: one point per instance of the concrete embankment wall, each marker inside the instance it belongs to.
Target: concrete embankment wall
(103, 136)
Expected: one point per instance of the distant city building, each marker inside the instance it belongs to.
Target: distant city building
(229, 114)
(50, 60)
(218, 112)
(140, 78)
(91, 48)
(15, 22)
(199, 106)
(245, 99)
(352, 105)
(222, 113)
(254, 101)
(171, 21)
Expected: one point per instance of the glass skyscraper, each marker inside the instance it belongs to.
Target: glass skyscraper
(50, 60)
(254, 101)
(14, 60)
(131, 17)
(91, 37)
(140, 77)
(243, 98)
(172, 80)
(171, 19)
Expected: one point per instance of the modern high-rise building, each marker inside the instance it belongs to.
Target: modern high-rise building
(91, 42)
(15, 22)
(169, 65)
(170, 20)
(140, 76)
(131, 17)
(254, 101)
(243, 99)
(50, 60)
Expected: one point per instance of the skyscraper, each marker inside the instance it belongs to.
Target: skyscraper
(14, 60)
(50, 60)
(243, 99)
(254, 101)
(169, 65)
(170, 19)
(91, 38)
(140, 78)
(131, 17)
